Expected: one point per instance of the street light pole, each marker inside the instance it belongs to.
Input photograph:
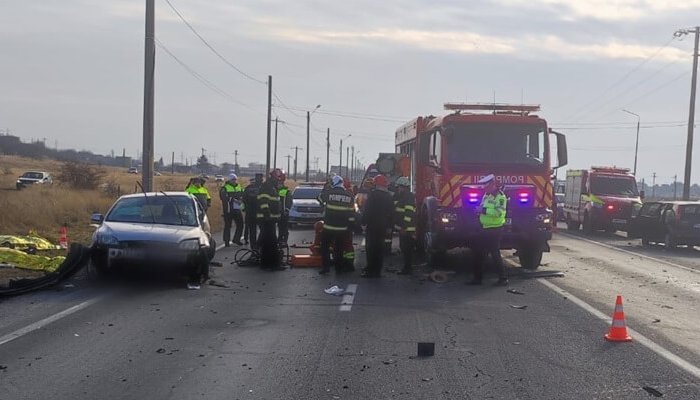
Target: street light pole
(636, 145)
(308, 138)
(691, 112)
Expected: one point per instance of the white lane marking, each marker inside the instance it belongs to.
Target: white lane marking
(40, 324)
(631, 253)
(636, 336)
(349, 298)
(219, 247)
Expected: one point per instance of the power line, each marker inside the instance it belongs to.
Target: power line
(284, 106)
(347, 114)
(201, 78)
(230, 64)
(622, 79)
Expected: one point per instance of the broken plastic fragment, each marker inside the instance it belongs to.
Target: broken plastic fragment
(334, 290)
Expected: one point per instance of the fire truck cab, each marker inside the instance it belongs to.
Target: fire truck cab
(449, 154)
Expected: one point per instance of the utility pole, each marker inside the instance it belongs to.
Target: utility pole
(352, 164)
(296, 154)
(328, 152)
(636, 145)
(172, 164)
(274, 159)
(148, 98)
(269, 120)
(308, 137)
(340, 163)
(691, 112)
(675, 185)
(288, 158)
(347, 161)
(653, 186)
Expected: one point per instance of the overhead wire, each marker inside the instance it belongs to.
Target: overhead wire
(211, 86)
(206, 43)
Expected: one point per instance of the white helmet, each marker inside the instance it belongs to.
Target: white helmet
(337, 181)
(232, 177)
(403, 181)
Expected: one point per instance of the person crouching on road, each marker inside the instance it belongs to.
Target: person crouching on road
(492, 218)
(231, 194)
(405, 222)
(338, 219)
(377, 217)
(267, 216)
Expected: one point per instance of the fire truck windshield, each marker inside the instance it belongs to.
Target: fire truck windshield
(623, 186)
(497, 143)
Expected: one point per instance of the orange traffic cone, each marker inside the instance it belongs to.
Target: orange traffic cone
(618, 329)
(63, 240)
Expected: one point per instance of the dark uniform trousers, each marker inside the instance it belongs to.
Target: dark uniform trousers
(374, 246)
(407, 244)
(269, 248)
(489, 243)
(251, 227)
(337, 239)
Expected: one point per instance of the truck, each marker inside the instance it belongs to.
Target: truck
(600, 198)
(449, 154)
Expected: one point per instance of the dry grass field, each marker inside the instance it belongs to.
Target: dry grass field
(44, 209)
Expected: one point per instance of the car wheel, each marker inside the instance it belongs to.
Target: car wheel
(587, 225)
(571, 225)
(645, 242)
(530, 257)
(670, 241)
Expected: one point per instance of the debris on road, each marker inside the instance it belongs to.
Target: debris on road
(426, 349)
(216, 264)
(656, 320)
(335, 291)
(217, 284)
(514, 291)
(389, 362)
(652, 391)
(3, 367)
(427, 379)
(539, 274)
(518, 307)
(160, 351)
(440, 276)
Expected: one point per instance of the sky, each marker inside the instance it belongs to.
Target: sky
(72, 73)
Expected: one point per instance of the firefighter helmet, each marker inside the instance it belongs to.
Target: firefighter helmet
(381, 181)
(403, 181)
(347, 184)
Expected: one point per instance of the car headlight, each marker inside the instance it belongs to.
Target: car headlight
(106, 238)
(189, 244)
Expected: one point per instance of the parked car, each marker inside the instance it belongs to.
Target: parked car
(133, 170)
(33, 178)
(153, 231)
(306, 206)
(672, 223)
(219, 178)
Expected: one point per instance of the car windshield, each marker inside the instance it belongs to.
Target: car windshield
(33, 175)
(497, 143)
(168, 210)
(623, 186)
(306, 193)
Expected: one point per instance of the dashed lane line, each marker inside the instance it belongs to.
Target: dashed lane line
(636, 336)
(46, 321)
(348, 299)
(607, 246)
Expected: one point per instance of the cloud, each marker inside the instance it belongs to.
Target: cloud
(609, 10)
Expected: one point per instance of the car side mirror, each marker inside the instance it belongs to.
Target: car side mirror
(641, 194)
(97, 218)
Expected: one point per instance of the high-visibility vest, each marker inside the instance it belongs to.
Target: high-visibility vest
(268, 202)
(231, 196)
(493, 210)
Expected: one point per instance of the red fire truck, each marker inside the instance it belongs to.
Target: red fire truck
(449, 154)
(602, 198)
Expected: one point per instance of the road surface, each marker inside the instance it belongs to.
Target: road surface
(277, 335)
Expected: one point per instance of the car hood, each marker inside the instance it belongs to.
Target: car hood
(127, 231)
(28, 179)
(306, 202)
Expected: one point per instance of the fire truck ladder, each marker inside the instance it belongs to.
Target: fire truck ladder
(495, 108)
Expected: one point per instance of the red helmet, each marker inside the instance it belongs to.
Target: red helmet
(347, 184)
(278, 175)
(381, 181)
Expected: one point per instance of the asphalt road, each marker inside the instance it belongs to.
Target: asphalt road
(277, 335)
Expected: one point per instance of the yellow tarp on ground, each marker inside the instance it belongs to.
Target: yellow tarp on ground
(27, 242)
(23, 260)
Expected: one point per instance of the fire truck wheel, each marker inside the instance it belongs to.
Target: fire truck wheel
(530, 258)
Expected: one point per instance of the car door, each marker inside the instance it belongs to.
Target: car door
(666, 219)
(640, 225)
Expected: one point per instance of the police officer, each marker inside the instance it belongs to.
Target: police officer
(197, 189)
(405, 222)
(377, 217)
(267, 216)
(285, 206)
(338, 218)
(250, 203)
(492, 218)
(231, 194)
